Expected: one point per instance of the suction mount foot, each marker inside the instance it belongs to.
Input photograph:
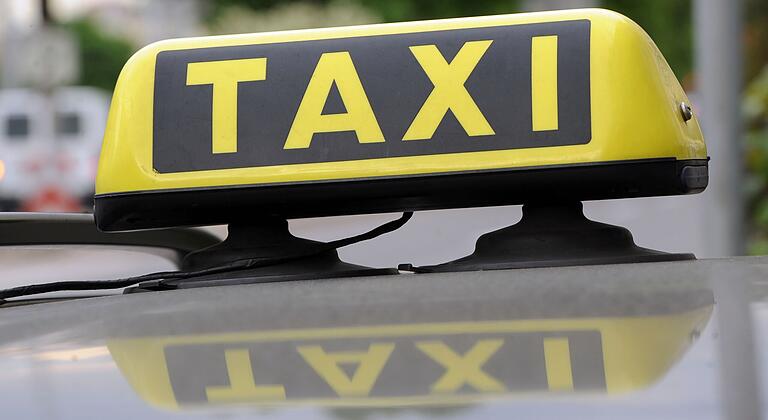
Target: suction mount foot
(268, 238)
(553, 235)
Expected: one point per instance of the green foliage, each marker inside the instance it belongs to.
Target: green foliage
(217, 7)
(756, 123)
(756, 113)
(755, 37)
(392, 10)
(400, 10)
(668, 22)
(102, 56)
(296, 15)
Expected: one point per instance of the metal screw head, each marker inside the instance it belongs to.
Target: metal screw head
(686, 111)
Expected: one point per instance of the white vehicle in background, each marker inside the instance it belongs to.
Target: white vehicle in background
(80, 119)
(25, 138)
(49, 147)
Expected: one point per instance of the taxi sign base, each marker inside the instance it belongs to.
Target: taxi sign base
(265, 240)
(592, 181)
(552, 235)
(265, 237)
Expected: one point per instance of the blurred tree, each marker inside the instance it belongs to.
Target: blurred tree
(390, 10)
(756, 113)
(295, 15)
(399, 10)
(102, 56)
(756, 37)
(217, 7)
(669, 23)
(756, 116)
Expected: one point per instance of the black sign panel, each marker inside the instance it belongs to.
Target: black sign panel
(396, 86)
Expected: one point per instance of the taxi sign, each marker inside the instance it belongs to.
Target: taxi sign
(493, 110)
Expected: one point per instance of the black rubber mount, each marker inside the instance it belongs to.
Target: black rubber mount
(267, 238)
(552, 235)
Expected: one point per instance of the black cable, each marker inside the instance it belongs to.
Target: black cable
(373, 233)
(243, 264)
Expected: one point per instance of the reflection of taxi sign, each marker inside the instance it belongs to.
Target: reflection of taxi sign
(411, 364)
(407, 116)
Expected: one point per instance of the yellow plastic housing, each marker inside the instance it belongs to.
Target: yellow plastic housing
(634, 116)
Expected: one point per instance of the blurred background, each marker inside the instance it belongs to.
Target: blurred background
(59, 60)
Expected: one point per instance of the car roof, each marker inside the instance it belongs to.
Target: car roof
(634, 335)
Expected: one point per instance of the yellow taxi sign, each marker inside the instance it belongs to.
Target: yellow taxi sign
(461, 112)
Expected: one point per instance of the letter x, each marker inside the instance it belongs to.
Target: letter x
(449, 91)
